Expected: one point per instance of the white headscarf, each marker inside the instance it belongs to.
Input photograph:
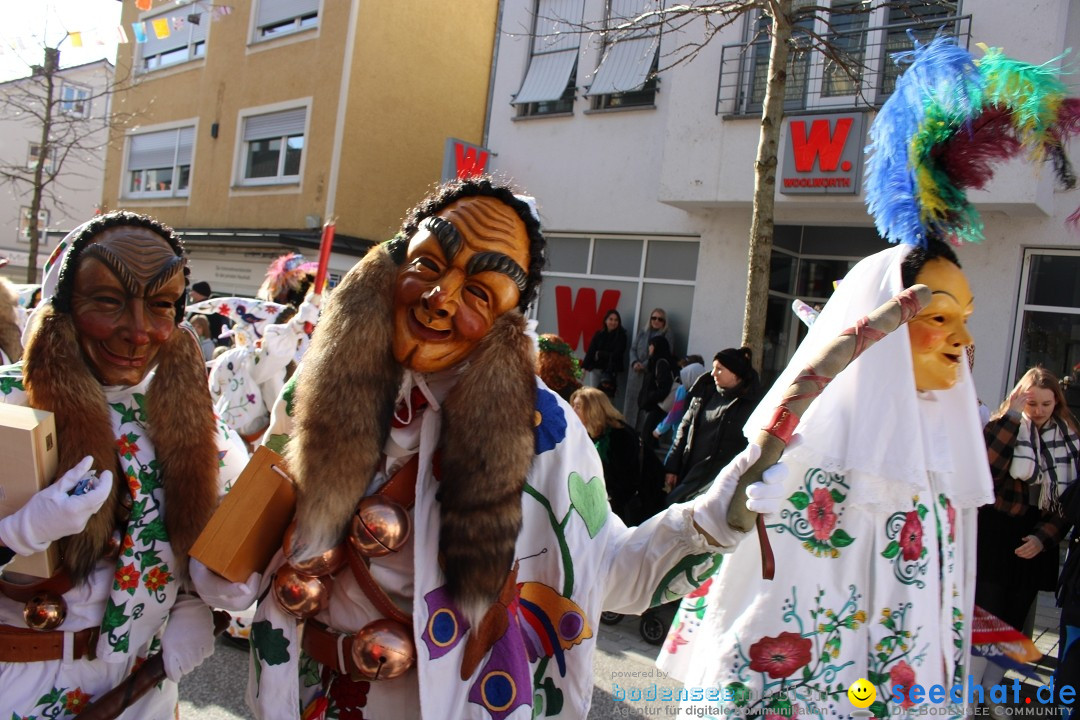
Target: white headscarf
(870, 422)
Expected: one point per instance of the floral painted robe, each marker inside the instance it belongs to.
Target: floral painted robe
(128, 598)
(574, 557)
(884, 594)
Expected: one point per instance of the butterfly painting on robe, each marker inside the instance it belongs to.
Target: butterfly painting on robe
(530, 621)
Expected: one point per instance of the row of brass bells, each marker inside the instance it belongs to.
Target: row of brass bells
(382, 650)
(380, 526)
(45, 611)
(302, 589)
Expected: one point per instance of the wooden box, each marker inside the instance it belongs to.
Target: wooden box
(249, 525)
(28, 456)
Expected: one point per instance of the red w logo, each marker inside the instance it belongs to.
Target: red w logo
(469, 161)
(580, 319)
(819, 144)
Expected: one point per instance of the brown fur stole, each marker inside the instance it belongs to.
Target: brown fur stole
(10, 335)
(180, 422)
(346, 391)
(344, 405)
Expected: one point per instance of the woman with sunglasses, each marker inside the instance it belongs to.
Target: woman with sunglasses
(657, 325)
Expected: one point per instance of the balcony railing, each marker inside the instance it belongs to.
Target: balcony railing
(857, 73)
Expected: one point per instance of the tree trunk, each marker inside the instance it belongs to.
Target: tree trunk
(761, 226)
(52, 65)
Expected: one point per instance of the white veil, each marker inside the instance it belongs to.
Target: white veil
(870, 422)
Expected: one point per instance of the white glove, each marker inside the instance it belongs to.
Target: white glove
(52, 514)
(308, 312)
(218, 592)
(711, 507)
(188, 638)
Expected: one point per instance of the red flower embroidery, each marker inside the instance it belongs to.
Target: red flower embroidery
(128, 546)
(951, 511)
(127, 578)
(911, 536)
(75, 701)
(349, 697)
(702, 590)
(780, 656)
(126, 447)
(133, 485)
(902, 674)
(156, 579)
(677, 639)
(224, 309)
(820, 514)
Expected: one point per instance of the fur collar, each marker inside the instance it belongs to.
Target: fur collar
(338, 436)
(180, 422)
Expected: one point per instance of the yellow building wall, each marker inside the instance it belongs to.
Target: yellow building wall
(419, 73)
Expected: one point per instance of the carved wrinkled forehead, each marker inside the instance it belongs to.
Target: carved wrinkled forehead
(140, 259)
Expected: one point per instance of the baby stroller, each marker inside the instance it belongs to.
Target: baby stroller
(653, 623)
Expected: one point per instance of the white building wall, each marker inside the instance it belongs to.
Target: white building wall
(680, 168)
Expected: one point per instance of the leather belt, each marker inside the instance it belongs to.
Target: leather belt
(25, 645)
(328, 647)
(59, 583)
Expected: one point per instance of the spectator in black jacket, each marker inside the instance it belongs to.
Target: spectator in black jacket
(606, 356)
(710, 433)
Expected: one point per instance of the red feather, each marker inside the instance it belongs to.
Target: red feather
(968, 156)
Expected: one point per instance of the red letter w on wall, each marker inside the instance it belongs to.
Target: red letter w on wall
(580, 318)
(469, 161)
(818, 144)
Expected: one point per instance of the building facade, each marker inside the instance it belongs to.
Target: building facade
(645, 179)
(262, 120)
(79, 117)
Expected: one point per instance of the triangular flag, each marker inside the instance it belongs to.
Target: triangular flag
(161, 28)
(76, 39)
(121, 35)
(139, 30)
(178, 23)
(143, 5)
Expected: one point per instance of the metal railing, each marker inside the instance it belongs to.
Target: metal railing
(857, 72)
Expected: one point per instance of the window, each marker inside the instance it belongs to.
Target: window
(586, 275)
(551, 80)
(841, 53)
(274, 18)
(626, 76)
(159, 163)
(75, 100)
(24, 224)
(35, 152)
(273, 147)
(1048, 331)
(173, 38)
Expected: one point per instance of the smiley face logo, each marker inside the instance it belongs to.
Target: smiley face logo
(861, 693)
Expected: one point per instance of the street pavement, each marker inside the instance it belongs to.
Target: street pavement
(215, 690)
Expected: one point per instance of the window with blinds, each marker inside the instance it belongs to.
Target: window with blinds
(172, 38)
(274, 18)
(550, 81)
(159, 163)
(273, 146)
(626, 75)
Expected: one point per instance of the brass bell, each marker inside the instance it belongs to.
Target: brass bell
(380, 526)
(326, 563)
(299, 595)
(382, 650)
(45, 611)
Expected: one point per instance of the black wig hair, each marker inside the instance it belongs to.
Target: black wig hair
(920, 255)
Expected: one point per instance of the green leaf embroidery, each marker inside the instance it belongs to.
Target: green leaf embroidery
(589, 498)
(879, 709)
(277, 443)
(269, 643)
(114, 616)
(148, 558)
(554, 697)
(126, 414)
(7, 384)
(50, 697)
(921, 510)
(891, 551)
(289, 394)
(138, 511)
(841, 539)
(876, 678)
(121, 643)
(154, 530)
(140, 400)
(837, 496)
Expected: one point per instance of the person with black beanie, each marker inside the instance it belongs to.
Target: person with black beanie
(710, 433)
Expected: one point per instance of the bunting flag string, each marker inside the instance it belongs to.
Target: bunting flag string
(139, 31)
(161, 28)
(76, 39)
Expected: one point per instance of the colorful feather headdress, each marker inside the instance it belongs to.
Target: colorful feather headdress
(286, 277)
(950, 119)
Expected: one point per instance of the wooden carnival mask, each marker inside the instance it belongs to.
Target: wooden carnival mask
(464, 268)
(939, 333)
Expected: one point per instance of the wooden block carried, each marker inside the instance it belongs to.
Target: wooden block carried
(28, 456)
(249, 525)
